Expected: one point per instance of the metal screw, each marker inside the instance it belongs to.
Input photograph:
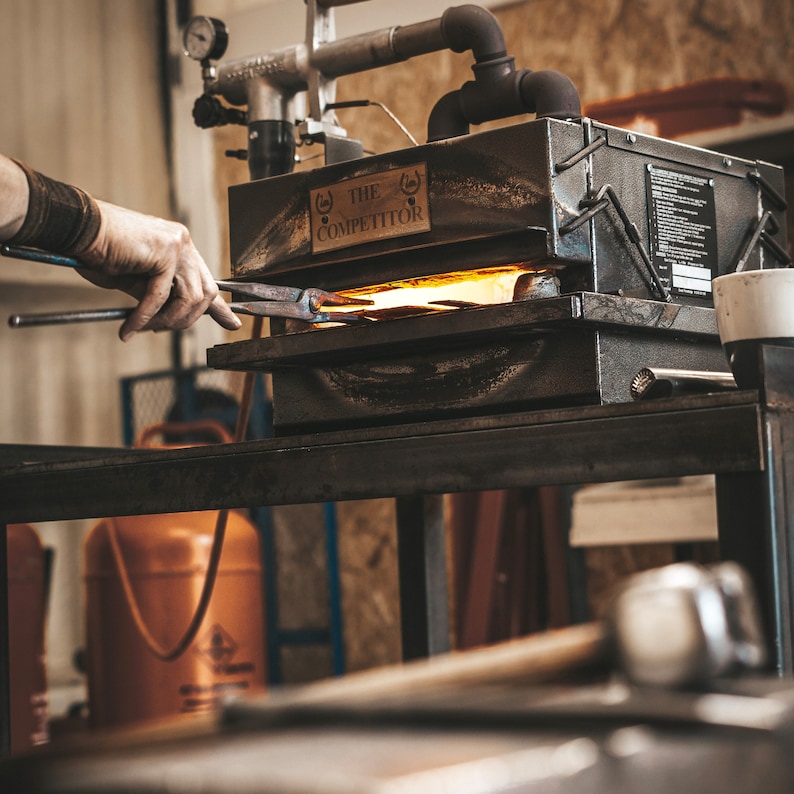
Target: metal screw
(727, 162)
(631, 137)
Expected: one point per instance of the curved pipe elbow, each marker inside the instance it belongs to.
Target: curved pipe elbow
(473, 28)
(550, 94)
(447, 119)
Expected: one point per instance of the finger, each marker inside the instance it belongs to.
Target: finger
(186, 303)
(157, 293)
(220, 312)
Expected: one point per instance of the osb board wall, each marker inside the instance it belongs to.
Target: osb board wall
(368, 577)
(609, 48)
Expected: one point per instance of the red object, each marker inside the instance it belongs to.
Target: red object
(702, 105)
(27, 592)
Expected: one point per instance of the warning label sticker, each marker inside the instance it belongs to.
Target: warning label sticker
(219, 651)
(683, 224)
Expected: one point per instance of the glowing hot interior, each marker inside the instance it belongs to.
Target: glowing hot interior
(442, 292)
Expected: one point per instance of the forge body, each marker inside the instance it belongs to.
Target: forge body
(546, 196)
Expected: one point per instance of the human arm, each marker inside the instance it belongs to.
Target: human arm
(152, 259)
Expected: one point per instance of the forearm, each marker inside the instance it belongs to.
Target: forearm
(151, 258)
(13, 198)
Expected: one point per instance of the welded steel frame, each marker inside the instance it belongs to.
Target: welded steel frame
(745, 438)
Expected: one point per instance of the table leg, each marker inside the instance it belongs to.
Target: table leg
(422, 560)
(756, 510)
(750, 534)
(5, 687)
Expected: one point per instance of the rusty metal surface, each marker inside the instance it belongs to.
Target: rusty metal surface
(499, 193)
(693, 435)
(497, 183)
(581, 348)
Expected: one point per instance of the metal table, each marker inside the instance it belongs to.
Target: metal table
(746, 438)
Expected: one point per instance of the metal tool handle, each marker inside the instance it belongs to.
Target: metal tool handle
(63, 318)
(332, 3)
(35, 255)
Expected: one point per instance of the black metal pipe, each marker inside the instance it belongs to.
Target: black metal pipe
(447, 119)
(498, 90)
(550, 94)
(271, 148)
(473, 28)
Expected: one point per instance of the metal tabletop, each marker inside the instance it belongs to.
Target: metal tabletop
(695, 435)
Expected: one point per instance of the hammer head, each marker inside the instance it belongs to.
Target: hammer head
(685, 625)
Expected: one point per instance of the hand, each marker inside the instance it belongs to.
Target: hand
(155, 261)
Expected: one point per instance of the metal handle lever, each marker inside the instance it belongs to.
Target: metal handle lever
(63, 318)
(332, 3)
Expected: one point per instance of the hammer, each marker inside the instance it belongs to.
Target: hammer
(683, 625)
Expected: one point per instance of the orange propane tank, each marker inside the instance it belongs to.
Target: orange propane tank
(166, 559)
(27, 594)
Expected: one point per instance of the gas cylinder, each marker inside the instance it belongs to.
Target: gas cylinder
(27, 593)
(166, 559)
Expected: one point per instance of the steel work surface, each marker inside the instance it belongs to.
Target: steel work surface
(692, 435)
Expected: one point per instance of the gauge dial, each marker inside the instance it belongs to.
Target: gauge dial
(205, 38)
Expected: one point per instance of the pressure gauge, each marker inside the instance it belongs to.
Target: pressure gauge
(205, 38)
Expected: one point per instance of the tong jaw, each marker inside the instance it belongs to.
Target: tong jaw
(292, 302)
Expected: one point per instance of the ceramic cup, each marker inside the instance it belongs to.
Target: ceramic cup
(753, 307)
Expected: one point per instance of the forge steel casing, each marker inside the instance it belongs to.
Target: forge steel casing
(623, 219)
(511, 195)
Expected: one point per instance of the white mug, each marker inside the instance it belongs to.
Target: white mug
(753, 307)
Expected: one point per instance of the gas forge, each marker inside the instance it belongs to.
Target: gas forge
(542, 263)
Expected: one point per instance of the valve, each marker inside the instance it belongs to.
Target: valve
(209, 112)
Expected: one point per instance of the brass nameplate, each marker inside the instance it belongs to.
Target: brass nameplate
(386, 204)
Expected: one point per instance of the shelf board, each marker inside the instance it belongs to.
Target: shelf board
(760, 139)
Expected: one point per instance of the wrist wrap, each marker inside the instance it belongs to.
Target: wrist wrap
(61, 219)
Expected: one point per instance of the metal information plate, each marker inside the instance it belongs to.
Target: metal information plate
(683, 221)
(387, 204)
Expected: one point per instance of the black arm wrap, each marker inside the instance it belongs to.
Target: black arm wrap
(61, 218)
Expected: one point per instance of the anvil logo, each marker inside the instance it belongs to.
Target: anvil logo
(324, 203)
(410, 184)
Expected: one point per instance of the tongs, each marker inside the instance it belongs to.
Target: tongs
(269, 300)
(292, 302)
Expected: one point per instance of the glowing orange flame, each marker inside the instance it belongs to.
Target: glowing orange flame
(482, 287)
